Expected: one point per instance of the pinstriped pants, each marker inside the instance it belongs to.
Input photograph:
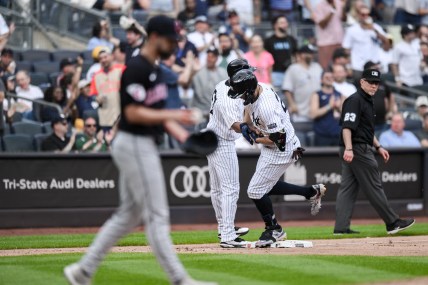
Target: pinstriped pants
(224, 182)
(142, 199)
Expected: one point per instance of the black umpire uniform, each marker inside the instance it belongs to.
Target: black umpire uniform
(361, 171)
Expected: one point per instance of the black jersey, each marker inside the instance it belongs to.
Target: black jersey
(358, 115)
(142, 84)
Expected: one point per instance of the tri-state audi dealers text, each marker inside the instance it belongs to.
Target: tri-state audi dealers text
(60, 184)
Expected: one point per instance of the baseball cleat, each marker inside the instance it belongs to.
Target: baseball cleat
(315, 200)
(399, 225)
(345, 232)
(236, 243)
(75, 275)
(190, 281)
(270, 236)
(240, 231)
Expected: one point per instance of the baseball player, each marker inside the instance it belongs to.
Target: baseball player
(141, 181)
(226, 116)
(270, 120)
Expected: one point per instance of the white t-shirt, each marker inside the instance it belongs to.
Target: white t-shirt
(408, 56)
(92, 70)
(364, 45)
(385, 59)
(33, 92)
(244, 8)
(199, 40)
(4, 28)
(345, 88)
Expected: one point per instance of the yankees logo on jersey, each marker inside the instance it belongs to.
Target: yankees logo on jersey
(224, 112)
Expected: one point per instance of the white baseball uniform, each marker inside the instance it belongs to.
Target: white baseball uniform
(223, 163)
(269, 115)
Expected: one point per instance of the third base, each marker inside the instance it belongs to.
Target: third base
(285, 244)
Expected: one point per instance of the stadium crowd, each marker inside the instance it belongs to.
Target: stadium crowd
(313, 74)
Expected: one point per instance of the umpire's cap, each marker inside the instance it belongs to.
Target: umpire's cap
(371, 74)
(242, 83)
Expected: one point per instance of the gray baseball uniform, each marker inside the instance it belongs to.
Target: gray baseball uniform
(223, 163)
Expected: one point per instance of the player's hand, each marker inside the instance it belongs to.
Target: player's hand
(384, 153)
(298, 153)
(185, 117)
(247, 133)
(348, 156)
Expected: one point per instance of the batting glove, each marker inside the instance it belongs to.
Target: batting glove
(248, 134)
(298, 153)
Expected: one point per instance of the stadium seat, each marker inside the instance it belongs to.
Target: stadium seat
(61, 54)
(53, 77)
(303, 126)
(86, 65)
(115, 17)
(46, 66)
(33, 55)
(24, 65)
(18, 143)
(119, 33)
(39, 78)
(388, 77)
(140, 15)
(87, 55)
(38, 140)
(413, 125)
(47, 127)
(27, 127)
(302, 137)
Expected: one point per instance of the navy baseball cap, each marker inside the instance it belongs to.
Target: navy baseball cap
(58, 119)
(163, 26)
(371, 75)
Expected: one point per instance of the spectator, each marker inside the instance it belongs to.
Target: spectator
(325, 108)
(340, 84)
(363, 40)
(101, 36)
(112, 5)
(352, 16)
(237, 30)
(189, 12)
(2, 100)
(282, 47)
(7, 64)
(423, 134)
(383, 100)
(54, 94)
(202, 38)
(141, 5)
(407, 59)
(119, 54)
(301, 80)
(423, 11)
(183, 47)
(421, 106)
(386, 8)
(407, 12)
(82, 99)
(9, 84)
(246, 10)
(91, 140)
(105, 85)
(341, 56)
(422, 32)
(205, 80)
(227, 50)
(26, 90)
(328, 15)
(424, 63)
(307, 10)
(66, 66)
(134, 36)
(96, 66)
(173, 80)
(5, 32)
(285, 8)
(385, 55)
(260, 59)
(166, 7)
(396, 136)
(58, 141)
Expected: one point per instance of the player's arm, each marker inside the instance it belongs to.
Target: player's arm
(138, 114)
(383, 152)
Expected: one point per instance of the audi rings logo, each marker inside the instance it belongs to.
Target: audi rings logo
(190, 181)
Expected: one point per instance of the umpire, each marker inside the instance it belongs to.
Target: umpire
(359, 166)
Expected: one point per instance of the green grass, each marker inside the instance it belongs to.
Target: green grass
(197, 237)
(138, 268)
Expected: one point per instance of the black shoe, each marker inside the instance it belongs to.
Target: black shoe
(270, 236)
(240, 231)
(399, 225)
(236, 243)
(346, 232)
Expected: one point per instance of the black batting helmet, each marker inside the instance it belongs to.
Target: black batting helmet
(236, 65)
(243, 83)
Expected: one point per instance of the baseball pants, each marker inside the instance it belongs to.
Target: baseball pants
(142, 199)
(224, 182)
(361, 173)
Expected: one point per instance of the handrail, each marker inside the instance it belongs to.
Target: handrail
(38, 101)
(412, 92)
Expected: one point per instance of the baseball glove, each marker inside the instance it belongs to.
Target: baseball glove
(279, 140)
(201, 143)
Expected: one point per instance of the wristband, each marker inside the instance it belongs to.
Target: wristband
(378, 147)
(348, 149)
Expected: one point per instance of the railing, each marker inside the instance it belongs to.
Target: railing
(10, 95)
